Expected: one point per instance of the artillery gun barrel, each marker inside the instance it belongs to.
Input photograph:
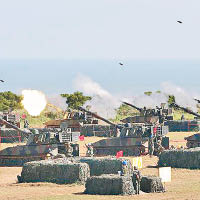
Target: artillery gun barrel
(186, 110)
(12, 126)
(96, 116)
(139, 109)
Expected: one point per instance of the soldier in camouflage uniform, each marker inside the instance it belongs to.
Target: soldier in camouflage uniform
(69, 149)
(136, 180)
(124, 168)
(151, 145)
(90, 151)
(26, 124)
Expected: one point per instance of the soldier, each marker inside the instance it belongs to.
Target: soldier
(69, 149)
(182, 117)
(136, 180)
(151, 145)
(158, 148)
(26, 124)
(89, 152)
(124, 168)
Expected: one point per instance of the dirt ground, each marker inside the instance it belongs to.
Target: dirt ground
(185, 183)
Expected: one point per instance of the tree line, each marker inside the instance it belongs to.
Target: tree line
(10, 101)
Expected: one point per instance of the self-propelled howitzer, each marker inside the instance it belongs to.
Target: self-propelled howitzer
(149, 116)
(132, 139)
(41, 144)
(96, 116)
(186, 110)
(135, 107)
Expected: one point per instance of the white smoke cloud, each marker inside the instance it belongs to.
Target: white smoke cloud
(183, 98)
(103, 102)
(57, 101)
(34, 101)
(155, 99)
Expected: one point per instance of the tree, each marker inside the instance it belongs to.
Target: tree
(158, 91)
(76, 99)
(10, 101)
(124, 111)
(149, 93)
(171, 99)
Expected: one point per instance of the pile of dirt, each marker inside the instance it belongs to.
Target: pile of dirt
(109, 184)
(180, 158)
(55, 171)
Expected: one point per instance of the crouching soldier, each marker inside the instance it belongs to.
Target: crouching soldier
(136, 180)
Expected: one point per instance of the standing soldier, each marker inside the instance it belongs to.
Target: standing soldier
(90, 151)
(182, 117)
(151, 144)
(26, 124)
(136, 180)
(124, 168)
(159, 146)
(69, 149)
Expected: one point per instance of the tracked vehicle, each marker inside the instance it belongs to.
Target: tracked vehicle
(130, 138)
(49, 142)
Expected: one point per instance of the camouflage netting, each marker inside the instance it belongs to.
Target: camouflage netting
(99, 166)
(55, 171)
(17, 162)
(151, 184)
(9, 135)
(97, 130)
(182, 126)
(182, 158)
(109, 185)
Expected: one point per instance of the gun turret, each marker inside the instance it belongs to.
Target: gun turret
(13, 126)
(186, 110)
(139, 109)
(97, 116)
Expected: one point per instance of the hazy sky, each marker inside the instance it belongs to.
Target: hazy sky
(99, 29)
(60, 39)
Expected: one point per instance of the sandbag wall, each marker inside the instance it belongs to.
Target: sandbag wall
(182, 125)
(97, 130)
(99, 166)
(151, 184)
(109, 184)
(183, 158)
(55, 171)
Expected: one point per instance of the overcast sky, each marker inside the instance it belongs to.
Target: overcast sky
(63, 38)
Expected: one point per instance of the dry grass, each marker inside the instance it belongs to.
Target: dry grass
(185, 183)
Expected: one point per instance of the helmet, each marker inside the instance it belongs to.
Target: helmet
(35, 131)
(124, 162)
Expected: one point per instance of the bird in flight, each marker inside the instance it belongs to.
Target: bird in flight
(2, 81)
(180, 22)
